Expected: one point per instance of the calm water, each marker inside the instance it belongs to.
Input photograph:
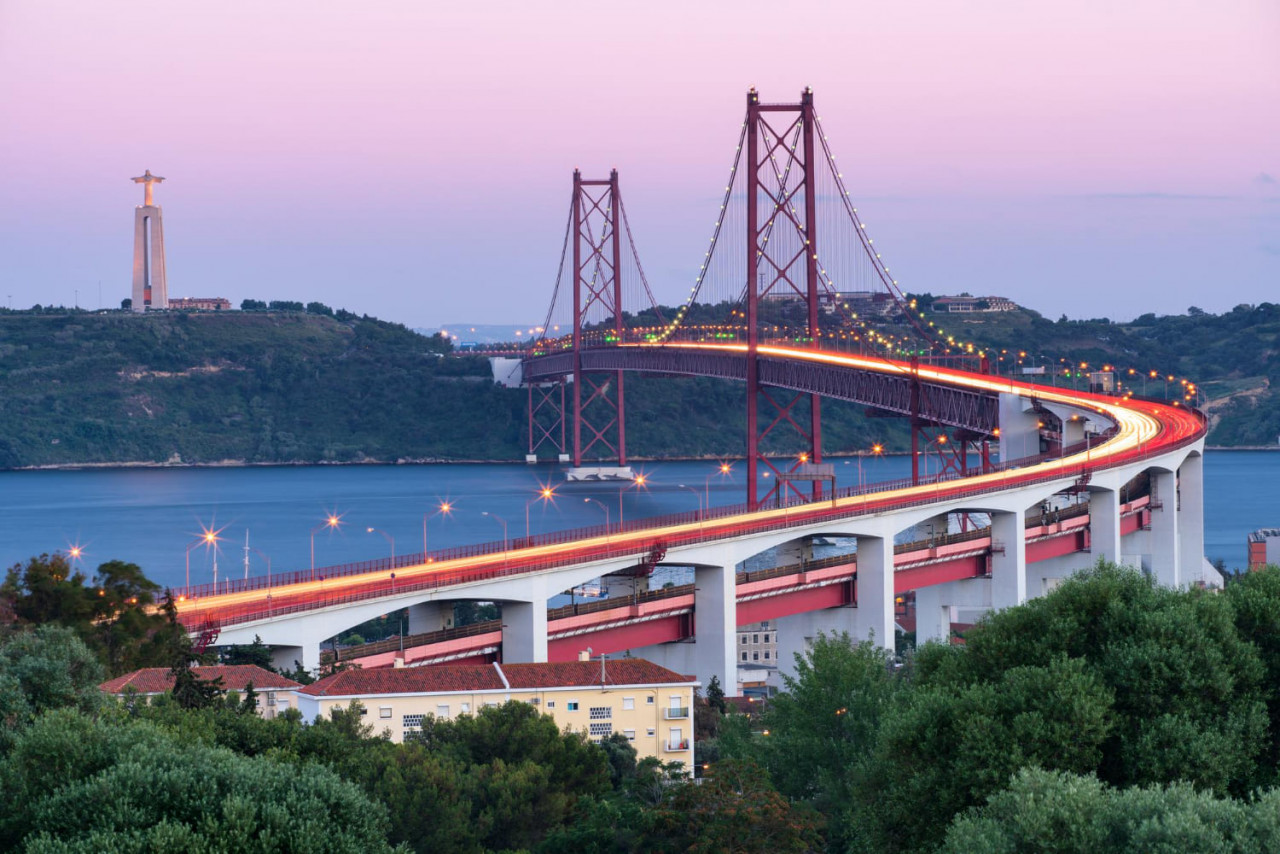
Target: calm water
(150, 516)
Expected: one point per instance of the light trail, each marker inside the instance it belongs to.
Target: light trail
(1142, 427)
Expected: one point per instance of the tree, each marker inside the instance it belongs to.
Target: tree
(257, 653)
(1048, 811)
(83, 785)
(825, 724)
(734, 809)
(42, 669)
(252, 305)
(126, 304)
(319, 308)
(621, 757)
(715, 695)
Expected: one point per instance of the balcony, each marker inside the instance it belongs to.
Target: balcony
(676, 746)
(675, 713)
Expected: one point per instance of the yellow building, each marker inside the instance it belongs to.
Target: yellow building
(651, 705)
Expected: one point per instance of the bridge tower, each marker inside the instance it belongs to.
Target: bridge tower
(599, 410)
(781, 262)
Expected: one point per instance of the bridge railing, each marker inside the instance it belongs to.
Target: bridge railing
(805, 513)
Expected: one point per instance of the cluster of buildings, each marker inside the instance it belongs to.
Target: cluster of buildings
(648, 704)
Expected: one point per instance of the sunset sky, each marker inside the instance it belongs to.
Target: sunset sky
(412, 160)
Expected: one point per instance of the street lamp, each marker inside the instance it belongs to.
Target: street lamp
(722, 470)
(602, 507)
(696, 494)
(208, 537)
(390, 539)
(331, 522)
(546, 493)
(444, 509)
(267, 558)
(504, 526)
(640, 482)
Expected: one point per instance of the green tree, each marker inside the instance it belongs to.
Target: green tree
(1059, 813)
(826, 721)
(42, 669)
(82, 785)
(734, 809)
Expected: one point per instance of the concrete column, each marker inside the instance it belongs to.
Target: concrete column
(524, 631)
(1165, 558)
(1104, 524)
(429, 617)
(288, 657)
(1009, 566)
(1191, 519)
(715, 608)
(1019, 428)
(933, 617)
(875, 591)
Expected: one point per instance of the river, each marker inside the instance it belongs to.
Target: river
(151, 516)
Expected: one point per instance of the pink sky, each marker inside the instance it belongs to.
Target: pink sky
(412, 160)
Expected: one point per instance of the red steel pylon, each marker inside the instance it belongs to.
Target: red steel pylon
(597, 286)
(782, 261)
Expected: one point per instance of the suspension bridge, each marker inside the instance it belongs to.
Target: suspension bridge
(769, 307)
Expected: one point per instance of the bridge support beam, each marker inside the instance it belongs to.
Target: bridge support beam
(429, 617)
(1008, 559)
(715, 604)
(875, 617)
(1191, 519)
(524, 632)
(1019, 428)
(1166, 564)
(936, 606)
(285, 658)
(1104, 525)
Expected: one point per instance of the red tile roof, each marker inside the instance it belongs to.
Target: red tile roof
(235, 677)
(452, 678)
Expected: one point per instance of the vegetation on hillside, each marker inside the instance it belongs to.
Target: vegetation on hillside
(307, 384)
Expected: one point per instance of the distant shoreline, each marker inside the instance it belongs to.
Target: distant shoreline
(442, 462)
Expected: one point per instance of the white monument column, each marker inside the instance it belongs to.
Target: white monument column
(150, 287)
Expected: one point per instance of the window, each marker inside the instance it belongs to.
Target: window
(649, 732)
(384, 711)
(766, 638)
(744, 656)
(551, 704)
(413, 721)
(571, 706)
(600, 713)
(442, 711)
(464, 708)
(600, 730)
(766, 655)
(648, 700)
(755, 639)
(491, 705)
(755, 656)
(630, 734)
(628, 703)
(744, 638)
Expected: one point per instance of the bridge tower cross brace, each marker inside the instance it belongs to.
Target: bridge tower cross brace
(779, 274)
(597, 282)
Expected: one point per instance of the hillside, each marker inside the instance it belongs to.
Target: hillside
(1234, 357)
(279, 387)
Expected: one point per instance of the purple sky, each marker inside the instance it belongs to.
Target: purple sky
(412, 159)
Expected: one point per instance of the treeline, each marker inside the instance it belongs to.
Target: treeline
(1111, 715)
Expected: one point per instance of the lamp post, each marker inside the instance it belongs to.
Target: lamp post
(267, 558)
(502, 521)
(331, 522)
(444, 509)
(602, 507)
(390, 539)
(722, 470)
(696, 494)
(546, 493)
(208, 537)
(638, 483)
